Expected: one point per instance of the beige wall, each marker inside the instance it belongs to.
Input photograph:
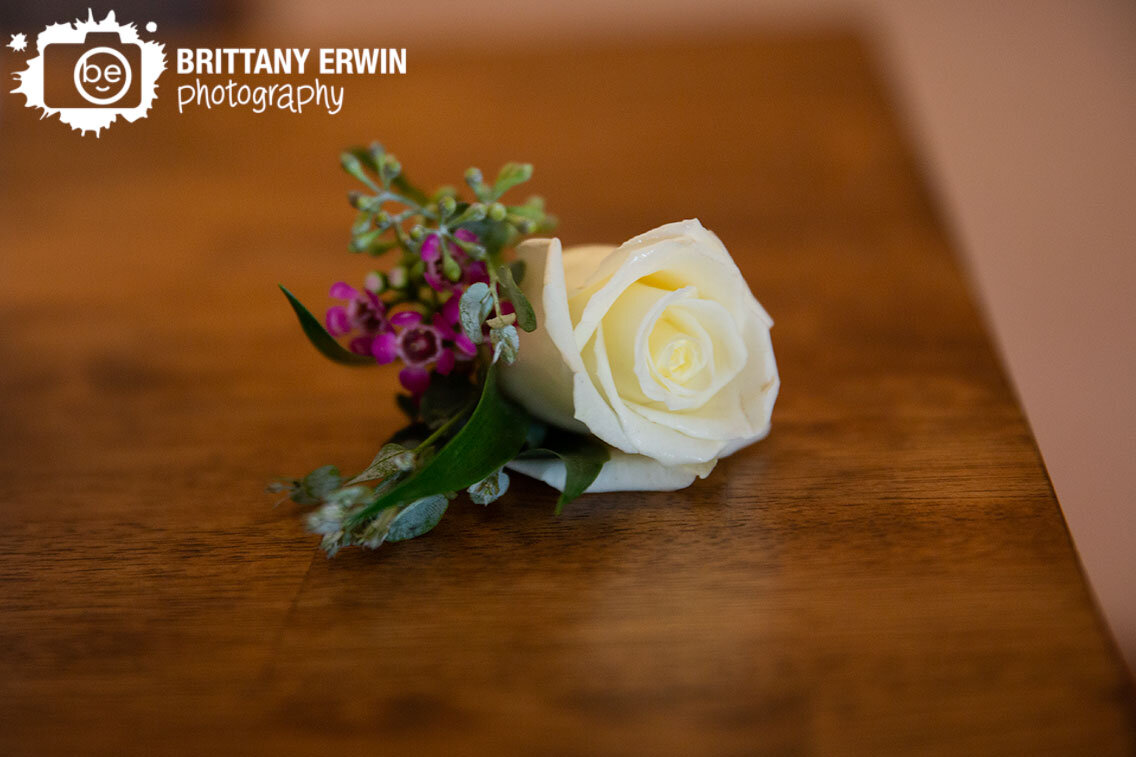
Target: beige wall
(1024, 113)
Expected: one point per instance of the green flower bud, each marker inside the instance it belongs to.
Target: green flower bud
(390, 168)
(350, 163)
(447, 205)
(382, 218)
(451, 268)
(417, 232)
(473, 176)
(474, 213)
(425, 294)
(417, 270)
(496, 212)
(377, 153)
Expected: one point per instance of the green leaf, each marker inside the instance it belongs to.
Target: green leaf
(490, 489)
(313, 488)
(494, 236)
(475, 304)
(320, 339)
(511, 175)
(583, 456)
(392, 459)
(526, 318)
(417, 518)
(490, 438)
(506, 343)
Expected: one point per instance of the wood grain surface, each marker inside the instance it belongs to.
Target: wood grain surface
(888, 573)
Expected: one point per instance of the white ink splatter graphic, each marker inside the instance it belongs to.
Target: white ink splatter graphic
(18, 43)
(91, 72)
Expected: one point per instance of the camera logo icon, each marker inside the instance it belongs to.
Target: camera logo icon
(91, 73)
(98, 72)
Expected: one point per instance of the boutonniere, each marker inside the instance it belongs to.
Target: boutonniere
(594, 368)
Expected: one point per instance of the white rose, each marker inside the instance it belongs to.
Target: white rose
(657, 347)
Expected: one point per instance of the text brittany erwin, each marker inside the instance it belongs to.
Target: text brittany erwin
(287, 61)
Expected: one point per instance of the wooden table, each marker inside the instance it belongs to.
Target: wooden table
(888, 573)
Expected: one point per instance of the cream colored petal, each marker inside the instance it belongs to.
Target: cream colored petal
(549, 372)
(657, 440)
(708, 241)
(758, 383)
(541, 379)
(670, 257)
(723, 417)
(631, 313)
(581, 262)
(621, 473)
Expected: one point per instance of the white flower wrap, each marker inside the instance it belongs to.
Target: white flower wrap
(657, 347)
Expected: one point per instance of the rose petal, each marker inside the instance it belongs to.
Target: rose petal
(622, 472)
(568, 357)
(760, 371)
(549, 377)
(645, 322)
(662, 442)
(671, 256)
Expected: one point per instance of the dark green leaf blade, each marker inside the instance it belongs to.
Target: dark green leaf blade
(320, 339)
(490, 438)
(583, 457)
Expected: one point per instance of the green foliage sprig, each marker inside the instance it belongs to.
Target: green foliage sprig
(462, 430)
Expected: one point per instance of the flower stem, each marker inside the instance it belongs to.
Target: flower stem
(444, 427)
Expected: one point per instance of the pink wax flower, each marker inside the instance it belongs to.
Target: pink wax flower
(431, 253)
(364, 312)
(419, 345)
(422, 345)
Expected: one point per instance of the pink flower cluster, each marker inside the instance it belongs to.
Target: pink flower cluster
(406, 335)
